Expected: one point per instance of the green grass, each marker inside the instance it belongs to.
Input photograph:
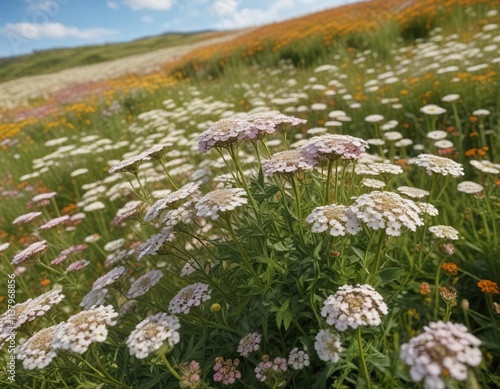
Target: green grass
(54, 60)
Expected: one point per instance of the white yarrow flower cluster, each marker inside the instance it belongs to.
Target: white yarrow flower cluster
(353, 307)
(438, 165)
(334, 146)
(84, 328)
(444, 232)
(298, 359)
(249, 343)
(287, 162)
(27, 311)
(328, 346)
(144, 283)
(109, 278)
(336, 218)
(172, 200)
(29, 252)
(220, 201)
(442, 350)
(414, 193)
(151, 333)
(388, 211)
(94, 297)
(37, 352)
(156, 243)
(469, 187)
(486, 166)
(188, 297)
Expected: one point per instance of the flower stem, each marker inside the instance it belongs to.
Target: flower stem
(436, 290)
(169, 367)
(168, 174)
(328, 180)
(297, 201)
(242, 252)
(376, 260)
(362, 355)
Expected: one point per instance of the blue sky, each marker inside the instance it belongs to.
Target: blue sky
(27, 25)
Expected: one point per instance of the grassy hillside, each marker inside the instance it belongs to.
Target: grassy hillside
(49, 61)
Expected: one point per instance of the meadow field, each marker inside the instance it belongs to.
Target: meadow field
(310, 204)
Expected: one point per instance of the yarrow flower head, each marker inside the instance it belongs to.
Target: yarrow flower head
(249, 343)
(220, 201)
(388, 211)
(225, 133)
(226, 370)
(267, 123)
(444, 232)
(152, 333)
(335, 218)
(469, 187)
(432, 109)
(77, 265)
(54, 222)
(287, 163)
(173, 200)
(442, 351)
(37, 351)
(109, 278)
(144, 283)
(414, 193)
(27, 311)
(94, 297)
(84, 328)
(269, 371)
(26, 218)
(438, 165)
(298, 359)
(328, 346)
(353, 307)
(334, 146)
(188, 297)
(28, 254)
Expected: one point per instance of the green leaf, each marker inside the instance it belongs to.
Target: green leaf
(391, 274)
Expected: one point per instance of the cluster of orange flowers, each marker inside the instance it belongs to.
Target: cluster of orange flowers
(329, 26)
(488, 287)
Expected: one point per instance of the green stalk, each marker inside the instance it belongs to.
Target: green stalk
(362, 355)
(143, 190)
(377, 256)
(297, 200)
(436, 290)
(242, 252)
(168, 174)
(328, 180)
(169, 367)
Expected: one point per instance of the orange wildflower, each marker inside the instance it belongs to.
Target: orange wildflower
(424, 289)
(450, 268)
(488, 287)
(45, 282)
(471, 152)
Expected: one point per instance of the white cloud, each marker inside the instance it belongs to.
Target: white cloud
(112, 5)
(53, 31)
(157, 5)
(276, 11)
(147, 19)
(224, 7)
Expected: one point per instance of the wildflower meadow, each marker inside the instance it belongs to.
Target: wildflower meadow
(316, 207)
